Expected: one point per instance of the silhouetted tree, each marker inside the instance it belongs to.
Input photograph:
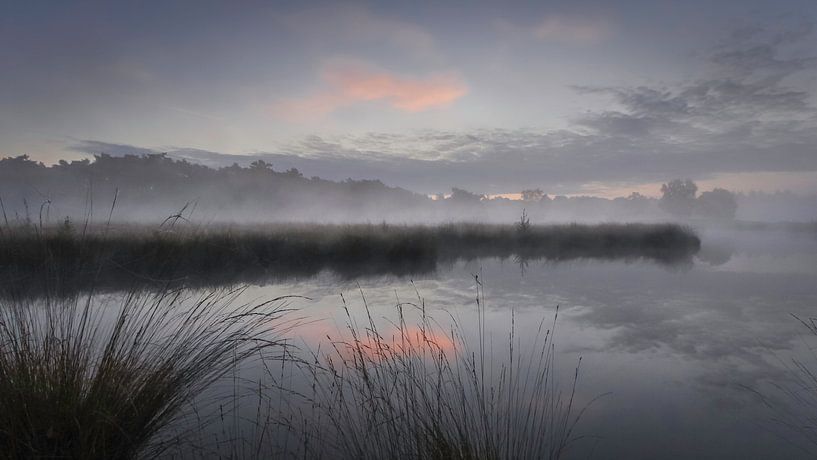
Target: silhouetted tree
(717, 204)
(678, 197)
(523, 226)
(260, 165)
(156, 185)
(459, 195)
(533, 196)
(634, 204)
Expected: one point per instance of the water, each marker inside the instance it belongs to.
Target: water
(672, 355)
(673, 348)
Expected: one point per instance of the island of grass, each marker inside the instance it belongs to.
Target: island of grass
(118, 256)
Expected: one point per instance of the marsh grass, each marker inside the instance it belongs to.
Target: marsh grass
(84, 380)
(790, 399)
(111, 257)
(421, 390)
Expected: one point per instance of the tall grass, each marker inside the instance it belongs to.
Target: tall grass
(80, 379)
(119, 257)
(790, 399)
(424, 391)
(85, 380)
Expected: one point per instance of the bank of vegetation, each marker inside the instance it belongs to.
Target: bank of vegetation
(105, 257)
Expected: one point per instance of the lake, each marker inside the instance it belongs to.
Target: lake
(680, 357)
(672, 351)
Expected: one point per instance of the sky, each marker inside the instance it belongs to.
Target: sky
(572, 97)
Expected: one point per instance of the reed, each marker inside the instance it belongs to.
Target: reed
(80, 379)
(118, 258)
(422, 390)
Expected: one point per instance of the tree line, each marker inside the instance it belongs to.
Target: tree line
(155, 186)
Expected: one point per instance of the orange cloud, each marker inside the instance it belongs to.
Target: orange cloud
(392, 344)
(349, 85)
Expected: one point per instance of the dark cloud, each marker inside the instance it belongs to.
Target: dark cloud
(92, 147)
(755, 47)
(746, 85)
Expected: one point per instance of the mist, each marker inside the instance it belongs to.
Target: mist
(154, 188)
(408, 230)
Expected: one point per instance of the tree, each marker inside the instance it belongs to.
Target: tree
(523, 226)
(678, 197)
(717, 204)
(292, 172)
(260, 165)
(533, 196)
(634, 204)
(459, 195)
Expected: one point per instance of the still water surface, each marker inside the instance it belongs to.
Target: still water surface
(672, 347)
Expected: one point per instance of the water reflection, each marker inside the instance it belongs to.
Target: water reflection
(113, 276)
(675, 343)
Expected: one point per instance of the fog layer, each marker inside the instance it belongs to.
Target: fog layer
(152, 188)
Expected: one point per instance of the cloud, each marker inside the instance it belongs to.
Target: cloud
(751, 48)
(356, 26)
(742, 118)
(744, 98)
(571, 29)
(93, 147)
(499, 161)
(561, 28)
(350, 84)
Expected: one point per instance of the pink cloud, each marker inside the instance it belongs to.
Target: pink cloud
(348, 85)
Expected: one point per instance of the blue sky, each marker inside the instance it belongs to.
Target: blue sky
(572, 97)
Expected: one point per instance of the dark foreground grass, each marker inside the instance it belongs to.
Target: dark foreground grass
(419, 390)
(119, 258)
(84, 380)
(791, 398)
(80, 379)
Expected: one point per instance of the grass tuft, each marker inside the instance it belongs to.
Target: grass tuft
(84, 380)
(421, 390)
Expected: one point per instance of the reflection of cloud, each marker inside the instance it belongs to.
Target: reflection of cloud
(699, 313)
(725, 320)
(726, 325)
(392, 342)
(351, 84)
